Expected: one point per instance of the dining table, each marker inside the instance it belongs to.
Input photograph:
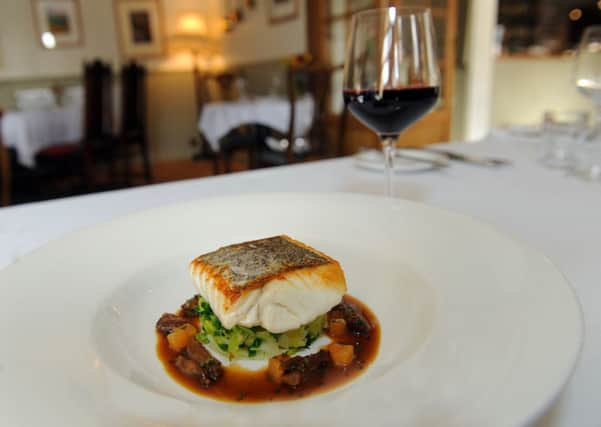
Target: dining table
(30, 131)
(556, 214)
(219, 118)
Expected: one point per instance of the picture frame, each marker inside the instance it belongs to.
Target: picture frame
(62, 19)
(279, 11)
(140, 28)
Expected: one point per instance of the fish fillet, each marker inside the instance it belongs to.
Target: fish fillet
(277, 283)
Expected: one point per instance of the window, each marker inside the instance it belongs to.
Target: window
(545, 27)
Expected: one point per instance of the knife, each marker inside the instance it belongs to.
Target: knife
(440, 162)
(467, 158)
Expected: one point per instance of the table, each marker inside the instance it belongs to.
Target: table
(218, 118)
(29, 132)
(558, 215)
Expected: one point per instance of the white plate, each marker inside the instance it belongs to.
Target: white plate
(406, 160)
(476, 328)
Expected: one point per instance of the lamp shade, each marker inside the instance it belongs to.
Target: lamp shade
(191, 35)
(192, 23)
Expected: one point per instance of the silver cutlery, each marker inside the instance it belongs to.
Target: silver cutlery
(468, 158)
(435, 162)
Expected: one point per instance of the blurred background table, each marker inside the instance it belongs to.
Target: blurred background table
(29, 132)
(219, 118)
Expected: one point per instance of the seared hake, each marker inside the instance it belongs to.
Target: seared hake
(278, 283)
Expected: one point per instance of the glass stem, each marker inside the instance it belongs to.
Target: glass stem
(388, 145)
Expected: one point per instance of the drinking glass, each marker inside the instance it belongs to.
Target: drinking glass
(587, 161)
(391, 75)
(563, 133)
(587, 76)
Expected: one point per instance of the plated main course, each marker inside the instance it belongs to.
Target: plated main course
(275, 300)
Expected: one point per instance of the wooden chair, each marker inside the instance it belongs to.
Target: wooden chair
(342, 128)
(202, 96)
(247, 137)
(5, 173)
(242, 138)
(133, 117)
(99, 145)
(313, 80)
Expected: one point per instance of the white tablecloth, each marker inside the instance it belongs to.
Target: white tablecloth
(559, 215)
(218, 118)
(28, 132)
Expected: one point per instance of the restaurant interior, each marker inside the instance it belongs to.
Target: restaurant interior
(95, 97)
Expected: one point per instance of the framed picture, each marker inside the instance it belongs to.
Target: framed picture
(58, 23)
(281, 10)
(140, 27)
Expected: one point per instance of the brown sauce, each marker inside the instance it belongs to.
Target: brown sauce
(242, 385)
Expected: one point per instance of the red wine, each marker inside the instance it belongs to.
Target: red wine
(391, 111)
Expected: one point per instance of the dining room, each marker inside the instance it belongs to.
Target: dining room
(192, 191)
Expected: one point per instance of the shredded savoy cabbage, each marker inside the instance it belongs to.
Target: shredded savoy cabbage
(255, 342)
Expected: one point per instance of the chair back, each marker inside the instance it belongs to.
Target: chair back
(314, 80)
(214, 87)
(133, 99)
(226, 86)
(98, 103)
(5, 172)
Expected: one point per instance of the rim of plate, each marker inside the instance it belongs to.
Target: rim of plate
(532, 416)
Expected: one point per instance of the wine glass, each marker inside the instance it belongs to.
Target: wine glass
(587, 76)
(391, 75)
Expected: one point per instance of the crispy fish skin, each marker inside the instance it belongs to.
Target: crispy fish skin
(277, 282)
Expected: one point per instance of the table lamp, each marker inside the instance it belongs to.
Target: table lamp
(192, 36)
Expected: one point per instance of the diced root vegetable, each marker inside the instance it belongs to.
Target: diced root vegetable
(178, 339)
(275, 370)
(342, 355)
(189, 329)
(337, 327)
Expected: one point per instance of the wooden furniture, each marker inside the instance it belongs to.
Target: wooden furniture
(317, 82)
(243, 137)
(328, 24)
(342, 127)
(313, 80)
(229, 125)
(133, 118)
(5, 173)
(239, 139)
(202, 96)
(98, 146)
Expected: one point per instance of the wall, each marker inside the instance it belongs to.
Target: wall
(525, 88)
(458, 116)
(171, 106)
(257, 40)
(23, 55)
